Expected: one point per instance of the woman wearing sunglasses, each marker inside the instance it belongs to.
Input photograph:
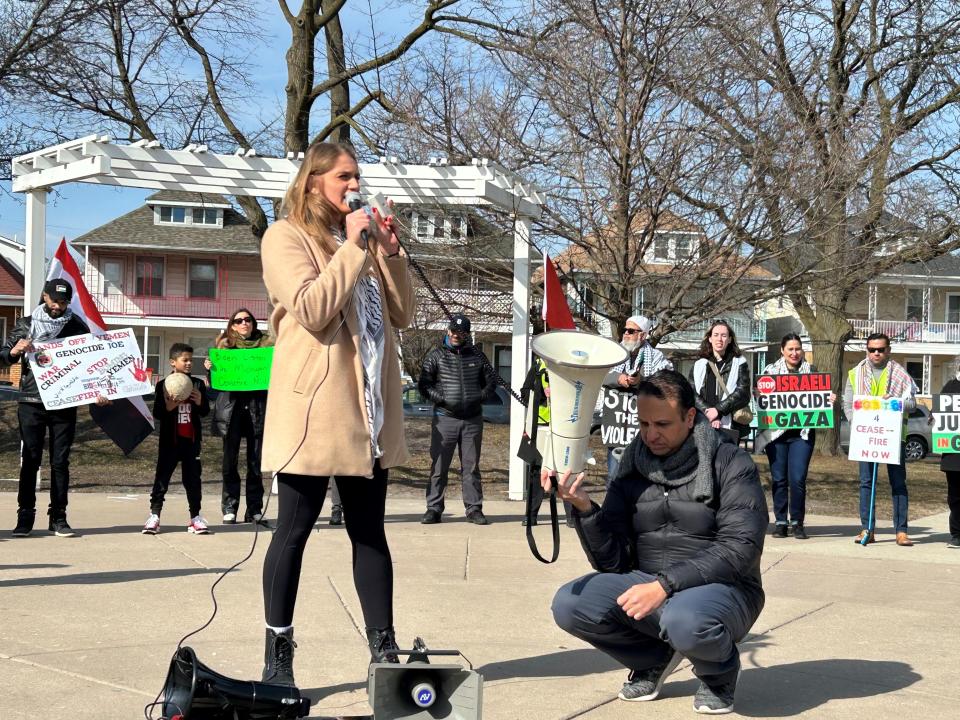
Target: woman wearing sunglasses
(238, 417)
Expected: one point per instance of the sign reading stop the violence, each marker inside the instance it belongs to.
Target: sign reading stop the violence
(797, 400)
(946, 423)
(876, 430)
(619, 423)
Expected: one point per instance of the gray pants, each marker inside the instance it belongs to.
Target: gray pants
(703, 623)
(447, 434)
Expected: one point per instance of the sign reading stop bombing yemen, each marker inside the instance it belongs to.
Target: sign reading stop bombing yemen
(794, 401)
(76, 370)
(876, 429)
(946, 423)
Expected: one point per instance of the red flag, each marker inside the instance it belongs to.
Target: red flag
(556, 312)
(127, 421)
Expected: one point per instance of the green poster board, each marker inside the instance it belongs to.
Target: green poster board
(241, 369)
(946, 424)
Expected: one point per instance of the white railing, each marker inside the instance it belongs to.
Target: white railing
(907, 330)
(488, 310)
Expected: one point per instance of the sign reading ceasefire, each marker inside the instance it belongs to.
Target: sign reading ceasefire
(876, 429)
(946, 423)
(76, 370)
(794, 401)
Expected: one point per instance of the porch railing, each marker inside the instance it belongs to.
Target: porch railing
(907, 330)
(143, 306)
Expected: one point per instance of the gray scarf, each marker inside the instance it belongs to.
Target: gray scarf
(693, 461)
(43, 327)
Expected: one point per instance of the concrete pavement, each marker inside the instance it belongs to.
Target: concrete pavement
(89, 623)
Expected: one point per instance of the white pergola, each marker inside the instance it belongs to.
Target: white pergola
(97, 160)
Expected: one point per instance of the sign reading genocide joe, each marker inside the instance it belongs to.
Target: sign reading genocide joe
(76, 370)
(241, 370)
(794, 401)
(946, 424)
(619, 423)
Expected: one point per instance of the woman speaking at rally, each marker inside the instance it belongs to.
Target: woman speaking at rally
(339, 285)
(789, 451)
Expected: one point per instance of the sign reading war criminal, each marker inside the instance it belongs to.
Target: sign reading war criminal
(794, 401)
(76, 370)
(240, 370)
(876, 429)
(946, 423)
(619, 424)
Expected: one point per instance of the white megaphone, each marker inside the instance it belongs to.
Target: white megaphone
(577, 362)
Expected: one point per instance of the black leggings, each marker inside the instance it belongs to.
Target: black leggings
(301, 497)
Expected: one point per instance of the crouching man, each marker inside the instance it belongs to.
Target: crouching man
(676, 546)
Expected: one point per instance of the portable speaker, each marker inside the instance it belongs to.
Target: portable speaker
(422, 691)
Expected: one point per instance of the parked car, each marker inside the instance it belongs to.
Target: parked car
(496, 409)
(919, 434)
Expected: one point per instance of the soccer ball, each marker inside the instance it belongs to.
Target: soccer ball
(178, 386)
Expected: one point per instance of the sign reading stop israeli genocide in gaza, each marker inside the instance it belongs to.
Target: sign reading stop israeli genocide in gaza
(876, 429)
(619, 423)
(76, 370)
(794, 401)
(946, 423)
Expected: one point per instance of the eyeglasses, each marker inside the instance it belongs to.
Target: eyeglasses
(631, 331)
(241, 321)
(872, 350)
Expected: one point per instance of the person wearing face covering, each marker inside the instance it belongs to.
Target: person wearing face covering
(644, 360)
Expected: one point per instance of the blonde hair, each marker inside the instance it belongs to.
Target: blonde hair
(313, 213)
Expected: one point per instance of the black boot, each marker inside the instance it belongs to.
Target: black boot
(381, 642)
(278, 658)
(25, 520)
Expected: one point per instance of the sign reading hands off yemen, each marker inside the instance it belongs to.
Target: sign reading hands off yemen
(875, 430)
(239, 370)
(76, 370)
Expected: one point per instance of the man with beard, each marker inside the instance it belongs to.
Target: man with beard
(643, 361)
(52, 319)
(457, 378)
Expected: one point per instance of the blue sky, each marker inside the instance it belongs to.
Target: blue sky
(76, 208)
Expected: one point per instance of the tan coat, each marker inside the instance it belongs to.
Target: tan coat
(316, 421)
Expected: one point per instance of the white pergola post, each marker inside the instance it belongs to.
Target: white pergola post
(520, 349)
(34, 266)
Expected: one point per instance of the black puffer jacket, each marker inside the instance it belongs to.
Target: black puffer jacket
(28, 385)
(255, 401)
(457, 380)
(687, 543)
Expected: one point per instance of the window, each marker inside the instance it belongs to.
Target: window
(112, 277)
(204, 216)
(915, 370)
(438, 223)
(683, 247)
(953, 308)
(423, 226)
(203, 279)
(661, 247)
(914, 310)
(173, 214)
(458, 228)
(151, 356)
(150, 276)
(201, 348)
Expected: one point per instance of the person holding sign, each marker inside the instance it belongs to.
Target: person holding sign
(238, 417)
(51, 319)
(789, 450)
(676, 547)
(339, 285)
(721, 379)
(950, 463)
(644, 360)
(879, 376)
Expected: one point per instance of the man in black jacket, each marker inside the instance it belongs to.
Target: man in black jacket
(457, 378)
(677, 549)
(51, 319)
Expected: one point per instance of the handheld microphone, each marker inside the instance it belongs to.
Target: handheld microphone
(355, 201)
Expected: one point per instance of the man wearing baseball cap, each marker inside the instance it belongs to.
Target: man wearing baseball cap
(51, 319)
(457, 378)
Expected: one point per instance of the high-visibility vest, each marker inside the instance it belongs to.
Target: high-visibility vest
(878, 388)
(543, 412)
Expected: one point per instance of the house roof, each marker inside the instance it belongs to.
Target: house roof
(11, 279)
(181, 197)
(136, 229)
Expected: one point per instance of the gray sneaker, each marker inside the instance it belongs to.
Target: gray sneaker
(644, 685)
(715, 699)
(953, 544)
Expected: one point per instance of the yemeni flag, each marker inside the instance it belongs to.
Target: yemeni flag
(127, 421)
(556, 312)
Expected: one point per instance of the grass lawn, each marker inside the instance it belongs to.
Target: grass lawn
(97, 465)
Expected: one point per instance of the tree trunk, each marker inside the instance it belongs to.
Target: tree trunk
(300, 75)
(336, 66)
(829, 332)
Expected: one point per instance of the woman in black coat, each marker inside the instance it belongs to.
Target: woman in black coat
(950, 465)
(719, 353)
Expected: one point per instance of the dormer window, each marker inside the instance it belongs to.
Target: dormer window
(437, 228)
(197, 216)
(173, 214)
(205, 216)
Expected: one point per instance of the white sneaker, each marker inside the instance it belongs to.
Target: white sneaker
(152, 525)
(198, 526)
(229, 518)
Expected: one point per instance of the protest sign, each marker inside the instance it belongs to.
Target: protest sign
(876, 430)
(619, 424)
(76, 370)
(794, 400)
(247, 369)
(946, 423)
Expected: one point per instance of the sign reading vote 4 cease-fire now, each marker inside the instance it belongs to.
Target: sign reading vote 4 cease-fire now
(796, 400)
(946, 423)
(875, 429)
